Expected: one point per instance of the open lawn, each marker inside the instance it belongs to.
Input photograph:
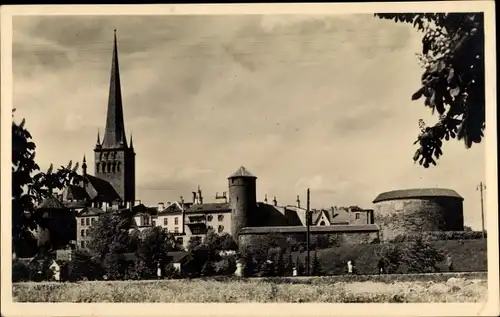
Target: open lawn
(338, 289)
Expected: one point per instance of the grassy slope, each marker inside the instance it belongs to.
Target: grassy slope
(468, 256)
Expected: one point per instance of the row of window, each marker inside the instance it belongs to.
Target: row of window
(109, 167)
(219, 217)
(84, 232)
(87, 221)
(176, 221)
(220, 229)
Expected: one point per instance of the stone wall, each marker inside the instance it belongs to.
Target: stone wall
(349, 238)
(403, 216)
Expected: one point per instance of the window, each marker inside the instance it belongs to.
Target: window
(165, 221)
(357, 215)
(210, 228)
(322, 223)
(82, 233)
(220, 217)
(153, 223)
(210, 217)
(176, 220)
(180, 240)
(87, 221)
(93, 220)
(176, 230)
(82, 244)
(221, 228)
(82, 222)
(86, 232)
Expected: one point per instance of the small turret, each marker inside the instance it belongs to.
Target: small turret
(84, 166)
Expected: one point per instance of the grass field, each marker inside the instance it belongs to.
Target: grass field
(411, 288)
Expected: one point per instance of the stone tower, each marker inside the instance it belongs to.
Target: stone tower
(114, 158)
(242, 200)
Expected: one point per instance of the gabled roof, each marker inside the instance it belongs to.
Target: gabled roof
(175, 207)
(105, 191)
(76, 193)
(417, 193)
(242, 172)
(51, 202)
(75, 204)
(209, 207)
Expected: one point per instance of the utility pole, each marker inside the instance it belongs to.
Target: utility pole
(481, 187)
(308, 220)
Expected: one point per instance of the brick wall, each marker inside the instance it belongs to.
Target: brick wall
(402, 216)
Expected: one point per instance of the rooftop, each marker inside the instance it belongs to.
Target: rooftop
(417, 193)
(199, 208)
(242, 172)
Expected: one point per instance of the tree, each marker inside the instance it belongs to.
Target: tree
(316, 269)
(453, 82)
(110, 234)
(29, 187)
(153, 249)
(83, 267)
(421, 257)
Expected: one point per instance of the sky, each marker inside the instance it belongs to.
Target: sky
(301, 101)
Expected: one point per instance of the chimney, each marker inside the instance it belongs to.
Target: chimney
(194, 197)
(200, 197)
(275, 202)
(265, 198)
(161, 206)
(298, 201)
(182, 200)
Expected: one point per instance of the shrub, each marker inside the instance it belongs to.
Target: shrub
(20, 271)
(316, 269)
(83, 266)
(437, 235)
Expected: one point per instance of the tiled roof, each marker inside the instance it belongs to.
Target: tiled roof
(313, 229)
(77, 192)
(91, 211)
(175, 207)
(417, 193)
(209, 207)
(242, 172)
(51, 202)
(75, 204)
(105, 191)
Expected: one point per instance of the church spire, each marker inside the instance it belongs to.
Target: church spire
(131, 142)
(114, 135)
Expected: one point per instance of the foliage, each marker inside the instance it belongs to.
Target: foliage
(20, 271)
(83, 267)
(153, 250)
(421, 257)
(30, 186)
(110, 234)
(316, 269)
(453, 82)
(438, 236)
(116, 266)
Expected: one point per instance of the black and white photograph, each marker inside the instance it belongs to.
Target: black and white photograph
(300, 153)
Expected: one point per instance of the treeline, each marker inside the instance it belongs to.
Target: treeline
(438, 236)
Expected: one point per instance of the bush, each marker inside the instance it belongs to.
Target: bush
(437, 236)
(83, 267)
(20, 271)
(316, 269)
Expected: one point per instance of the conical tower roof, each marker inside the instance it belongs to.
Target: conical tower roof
(242, 172)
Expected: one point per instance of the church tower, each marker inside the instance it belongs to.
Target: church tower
(114, 158)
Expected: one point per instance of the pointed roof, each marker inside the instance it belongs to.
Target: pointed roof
(114, 135)
(242, 172)
(51, 202)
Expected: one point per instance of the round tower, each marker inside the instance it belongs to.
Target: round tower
(242, 199)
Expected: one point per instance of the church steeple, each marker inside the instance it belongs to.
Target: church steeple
(114, 135)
